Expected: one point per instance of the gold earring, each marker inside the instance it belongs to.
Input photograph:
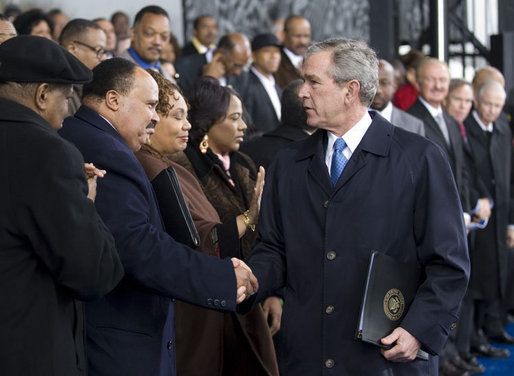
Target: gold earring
(204, 144)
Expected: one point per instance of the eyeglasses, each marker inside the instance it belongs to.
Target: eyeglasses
(98, 50)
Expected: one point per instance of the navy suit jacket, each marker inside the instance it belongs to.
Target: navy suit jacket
(396, 195)
(130, 331)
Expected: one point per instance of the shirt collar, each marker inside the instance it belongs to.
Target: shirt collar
(144, 64)
(485, 127)
(263, 78)
(387, 112)
(199, 46)
(433, 110)
(353, 137)
(295, 59)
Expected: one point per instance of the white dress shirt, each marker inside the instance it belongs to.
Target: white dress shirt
(352, 138)
(295, 59)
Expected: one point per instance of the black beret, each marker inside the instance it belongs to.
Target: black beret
(27, 58)
(264, 40)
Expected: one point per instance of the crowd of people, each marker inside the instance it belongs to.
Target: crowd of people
(132, 235)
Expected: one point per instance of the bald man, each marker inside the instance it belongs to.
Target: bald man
(225, 63)
(490, 143)
(382, 101)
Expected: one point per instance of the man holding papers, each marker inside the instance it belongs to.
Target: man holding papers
(358, 184)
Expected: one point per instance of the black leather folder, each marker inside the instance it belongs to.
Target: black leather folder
(174, 211)
(390, 288)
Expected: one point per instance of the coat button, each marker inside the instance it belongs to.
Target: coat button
(329, 310)
(329, 363)
(331, 255)
(169, 345)
(325, 204)
(216, 302)
(453, 326)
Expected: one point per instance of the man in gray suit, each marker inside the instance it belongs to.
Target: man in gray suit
(382, 102)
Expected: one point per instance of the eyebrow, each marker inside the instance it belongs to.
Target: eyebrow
(311, 77)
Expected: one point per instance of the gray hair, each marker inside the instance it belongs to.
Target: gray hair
(491, 84)
(351, 60)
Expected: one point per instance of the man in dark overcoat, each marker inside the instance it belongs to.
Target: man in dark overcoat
(490, 142)
(318, 226)
(54, 248)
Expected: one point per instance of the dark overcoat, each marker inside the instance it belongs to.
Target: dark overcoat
(54, 249)
(130, 332)
(396, 195)
(492, 162)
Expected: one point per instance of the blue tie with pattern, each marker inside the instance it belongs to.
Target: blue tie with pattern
(338, 161)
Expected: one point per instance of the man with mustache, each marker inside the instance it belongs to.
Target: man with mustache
(131, 332)
(150, 31)
(297, 38)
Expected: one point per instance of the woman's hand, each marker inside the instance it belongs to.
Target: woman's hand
(255, 205)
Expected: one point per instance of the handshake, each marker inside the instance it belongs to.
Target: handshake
(247, 284)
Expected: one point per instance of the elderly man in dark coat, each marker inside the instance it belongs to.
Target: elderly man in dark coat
(54, 248)
(358, 184)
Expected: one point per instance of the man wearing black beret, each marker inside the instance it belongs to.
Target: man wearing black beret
(54, 249)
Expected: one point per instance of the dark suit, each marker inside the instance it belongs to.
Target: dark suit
(407, 121)
(264, 149)
(130, 332)
(258, 103)
(54, 249)
(188, 49)
(189, 68)
(396, 195)
(454, 151)
(286, 72)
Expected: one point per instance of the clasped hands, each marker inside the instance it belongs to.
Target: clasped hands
(247, 284)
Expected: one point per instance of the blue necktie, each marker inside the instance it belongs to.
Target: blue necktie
(338, 161)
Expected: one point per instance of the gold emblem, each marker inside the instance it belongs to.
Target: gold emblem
(394, 304)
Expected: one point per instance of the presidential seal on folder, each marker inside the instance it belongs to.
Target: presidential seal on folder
(390, 288)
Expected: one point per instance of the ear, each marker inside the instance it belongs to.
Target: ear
(132, 33)
(71, 48)
(41, 97)
(353, 88)
(113, 100)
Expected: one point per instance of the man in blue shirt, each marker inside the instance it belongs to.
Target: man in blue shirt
(150, 31)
